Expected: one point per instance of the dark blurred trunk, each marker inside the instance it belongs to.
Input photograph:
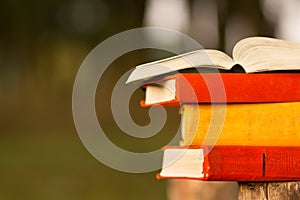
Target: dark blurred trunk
(249, 12)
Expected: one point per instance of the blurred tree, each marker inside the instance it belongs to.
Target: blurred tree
(42, 44)
(246, 17)
(235, 20)
(25, 23)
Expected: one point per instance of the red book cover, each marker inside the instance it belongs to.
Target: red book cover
(230, 88)
(232, 163)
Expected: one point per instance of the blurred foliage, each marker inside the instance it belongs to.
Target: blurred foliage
(42, 44)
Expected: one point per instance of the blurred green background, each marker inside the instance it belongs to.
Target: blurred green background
(43, 43)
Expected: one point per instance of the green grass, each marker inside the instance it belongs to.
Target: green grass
(57, 167)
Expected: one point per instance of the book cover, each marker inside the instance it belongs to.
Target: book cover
(232, 163)
(260, 124)
(223, 88)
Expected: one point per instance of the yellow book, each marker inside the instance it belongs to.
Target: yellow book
(259, 124)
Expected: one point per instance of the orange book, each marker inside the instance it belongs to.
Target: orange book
(262, 124)
(232, 163)
(223, 88)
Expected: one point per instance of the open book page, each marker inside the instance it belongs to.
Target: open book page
(204, 58)
(254, 54)
(257, 54)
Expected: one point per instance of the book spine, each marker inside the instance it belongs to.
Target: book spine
(269, 124)
(239, 88)
(233, 88)
(282, 162)
(233, 163)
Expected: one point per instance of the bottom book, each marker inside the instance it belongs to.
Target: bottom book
(232, 163)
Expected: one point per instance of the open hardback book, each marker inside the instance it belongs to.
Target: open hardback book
(253, 54)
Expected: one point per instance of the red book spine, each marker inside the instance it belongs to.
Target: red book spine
(235, 88)
(239, 87)
(249, 163)
(234, 163)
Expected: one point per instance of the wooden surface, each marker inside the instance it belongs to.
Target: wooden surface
(269, 191)
(195, 190)
(183, 189)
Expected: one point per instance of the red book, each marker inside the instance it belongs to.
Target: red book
(232, 163)
(223, 88)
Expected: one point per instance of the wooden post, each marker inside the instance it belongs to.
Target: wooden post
(179, 189)
(193, 190)
(269, 191)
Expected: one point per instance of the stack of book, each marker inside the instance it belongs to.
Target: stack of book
(235, 126)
